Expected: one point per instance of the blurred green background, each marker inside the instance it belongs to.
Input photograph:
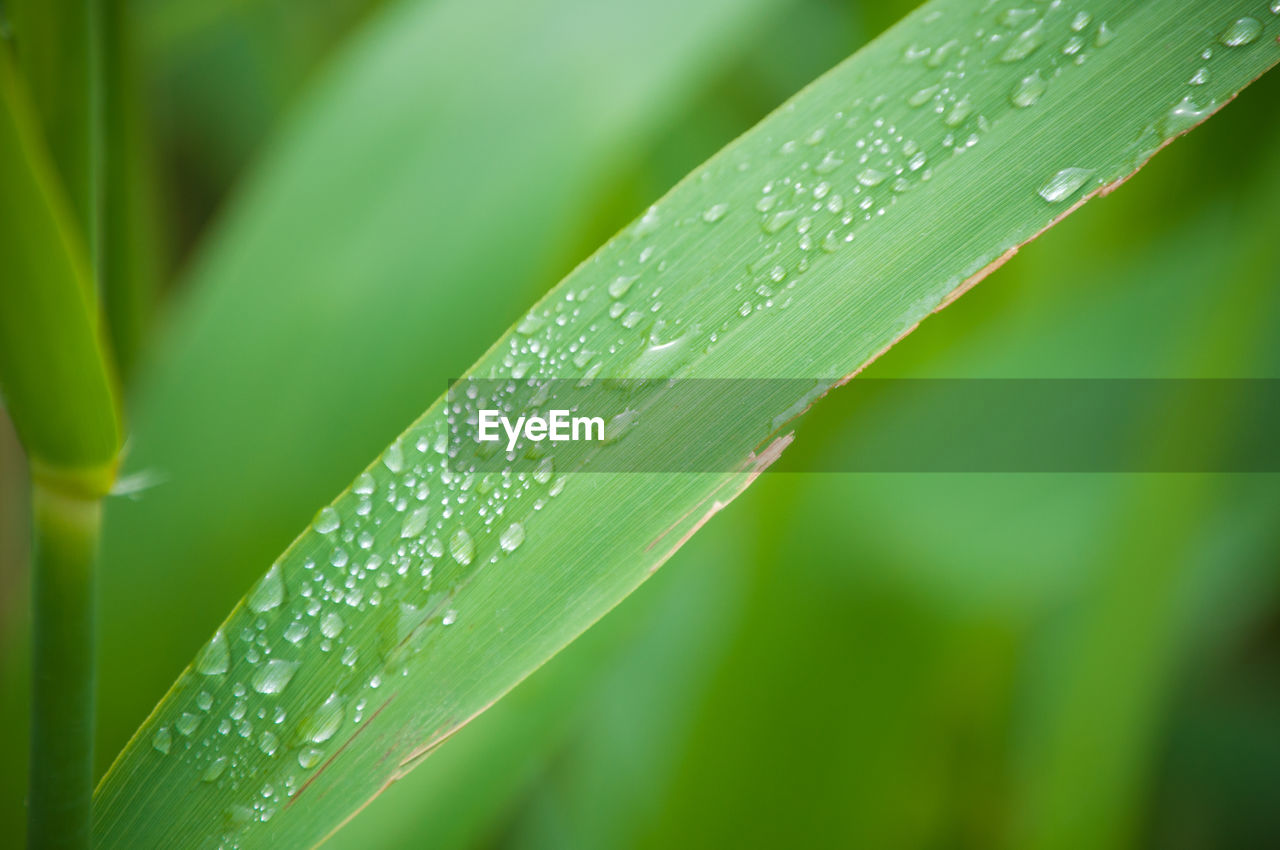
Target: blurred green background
(914, 661)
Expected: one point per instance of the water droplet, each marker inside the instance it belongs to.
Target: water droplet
(1241, 32)
(215, 769)
(268, 742)
(714, 213)
(331, 624)
(462, 547)
(162, 740)
(544, 471)
(393, 459)
(204, 700)
(530, 324)
(295, 632)
(959, 111)
(1275, 7)
(618, 425)
(1064, 184)
(778, 220)
(187, 724)
(622, 284)
(1184, 115)
(416, 522)
(1012, 18)
(941, 53)
(1199, 78)
(659, 358)
(364, 484)
(923, 96)
(215, 657)
(326, 520)
(1028, 90)
(309, 757)
(268, 593)
(1080, 21)
(449, 618)
(829, 163)
(871, 177)
(1104, 36)
(913, 52)
(273, 677)
(512, 537)
(1026, 43)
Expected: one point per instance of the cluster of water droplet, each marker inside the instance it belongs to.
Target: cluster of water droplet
(1188, 111)
(824, 187)
(402, 541)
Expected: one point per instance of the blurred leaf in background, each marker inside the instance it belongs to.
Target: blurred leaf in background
(878, 660)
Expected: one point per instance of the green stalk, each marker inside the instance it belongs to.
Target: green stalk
(66, 529)
(59, 51)
(58, 386)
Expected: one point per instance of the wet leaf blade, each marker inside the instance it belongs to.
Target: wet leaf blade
(457, 621)
(373, 282)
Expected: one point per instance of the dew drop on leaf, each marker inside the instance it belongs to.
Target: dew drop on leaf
(1026, 43)
(365, 484)
(1064, 184)
(462, 547)
(871, 177)
(268, 593)
(829, 163)
(332, 625)
(326, 520)
(295, 632)
(415, 523)
(322, 725)
(215, 769)
(393, 459)
(1241, 32)
(273, 677)
(215, 657)
(530, 324)
(621, 285)
(187, 724)
(1028, 90)
(512, 537)
(714, 213)
(1184, 115)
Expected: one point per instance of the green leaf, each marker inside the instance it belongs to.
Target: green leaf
(351, 200)
(54, 373)
(951, 140)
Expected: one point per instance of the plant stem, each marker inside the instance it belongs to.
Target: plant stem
(63, 672)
